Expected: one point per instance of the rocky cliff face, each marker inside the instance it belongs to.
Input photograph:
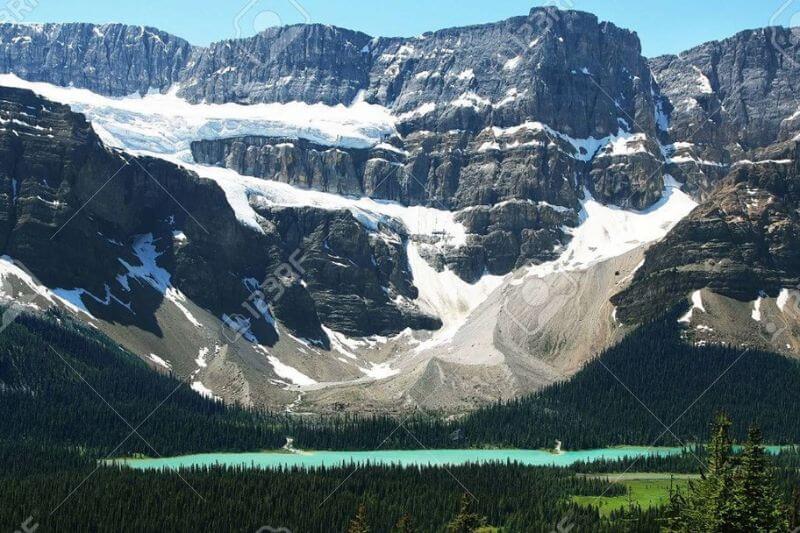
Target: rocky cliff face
(112, 59)
(523, 110)
(743, 240)
(743, 87)
(308, 63)
(733, 121)
(113, 232)
(730, 97)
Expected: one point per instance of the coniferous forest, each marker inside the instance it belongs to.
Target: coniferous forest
(55, 432)
(43, 362)
(593, 409)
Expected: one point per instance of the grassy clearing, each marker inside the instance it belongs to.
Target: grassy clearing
(643, 489)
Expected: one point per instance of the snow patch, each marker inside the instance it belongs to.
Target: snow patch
(585, 148)
(624, 146)
(447, 296)
(176, 297)
(10, 269)
(341, 343)
(471, 99)
(697, 303)
(512, 63)
(159, 361)
(288, 373)
(379, 371)
(467, 74)
(608, 231)
(149, 272)
(703, 81)
(755, 314)
(204, 391)
(421, 111)
(201, 358)
(783, 299)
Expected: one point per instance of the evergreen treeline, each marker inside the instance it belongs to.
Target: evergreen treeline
(44, 399)
(593, 409)
(516, 497)
(736, 493)
(688, 462)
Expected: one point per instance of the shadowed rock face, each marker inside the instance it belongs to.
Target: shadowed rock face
(76, 213)
(487, 114)
(744, 239)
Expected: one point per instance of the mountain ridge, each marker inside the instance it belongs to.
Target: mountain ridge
(493, 145)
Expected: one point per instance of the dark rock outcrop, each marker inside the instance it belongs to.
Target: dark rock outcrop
(744, 239)
(118, 229)
(737, 90)
(728, 98)
(112, 59)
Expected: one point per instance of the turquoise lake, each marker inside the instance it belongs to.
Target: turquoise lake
(401, 457)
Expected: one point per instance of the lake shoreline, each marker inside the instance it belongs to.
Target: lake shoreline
(441, 457)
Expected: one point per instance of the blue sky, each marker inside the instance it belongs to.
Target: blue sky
(664, 26)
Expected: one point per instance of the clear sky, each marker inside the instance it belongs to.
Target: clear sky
(664, 26)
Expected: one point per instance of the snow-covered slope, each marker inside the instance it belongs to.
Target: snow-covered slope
(607, 231)
(163, 126)
(165, 123)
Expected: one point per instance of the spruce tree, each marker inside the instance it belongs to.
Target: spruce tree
(755, 504)
(404, 525)
(359, 523)
(466, 521)
(707, 506)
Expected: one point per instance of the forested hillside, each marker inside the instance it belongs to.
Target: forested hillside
(616, 399)
(49, 367)
(61, 383)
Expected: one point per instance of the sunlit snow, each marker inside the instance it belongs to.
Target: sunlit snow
(165, 123)
(697, 303)
(608, 231)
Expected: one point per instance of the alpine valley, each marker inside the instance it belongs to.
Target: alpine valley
(316, 220)
(521, 244)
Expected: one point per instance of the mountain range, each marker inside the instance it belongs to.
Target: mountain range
(313, 219)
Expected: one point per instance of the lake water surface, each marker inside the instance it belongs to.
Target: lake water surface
(401, 457)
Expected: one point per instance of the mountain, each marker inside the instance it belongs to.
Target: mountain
(45, 364)
(729, 98)
(316, 219)
(734, 122)
(464, 101)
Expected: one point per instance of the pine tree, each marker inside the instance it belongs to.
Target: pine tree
(466, 521)
(755, 504)
(359, 523)
(794, 516)
(707, 506)
(404, 525)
